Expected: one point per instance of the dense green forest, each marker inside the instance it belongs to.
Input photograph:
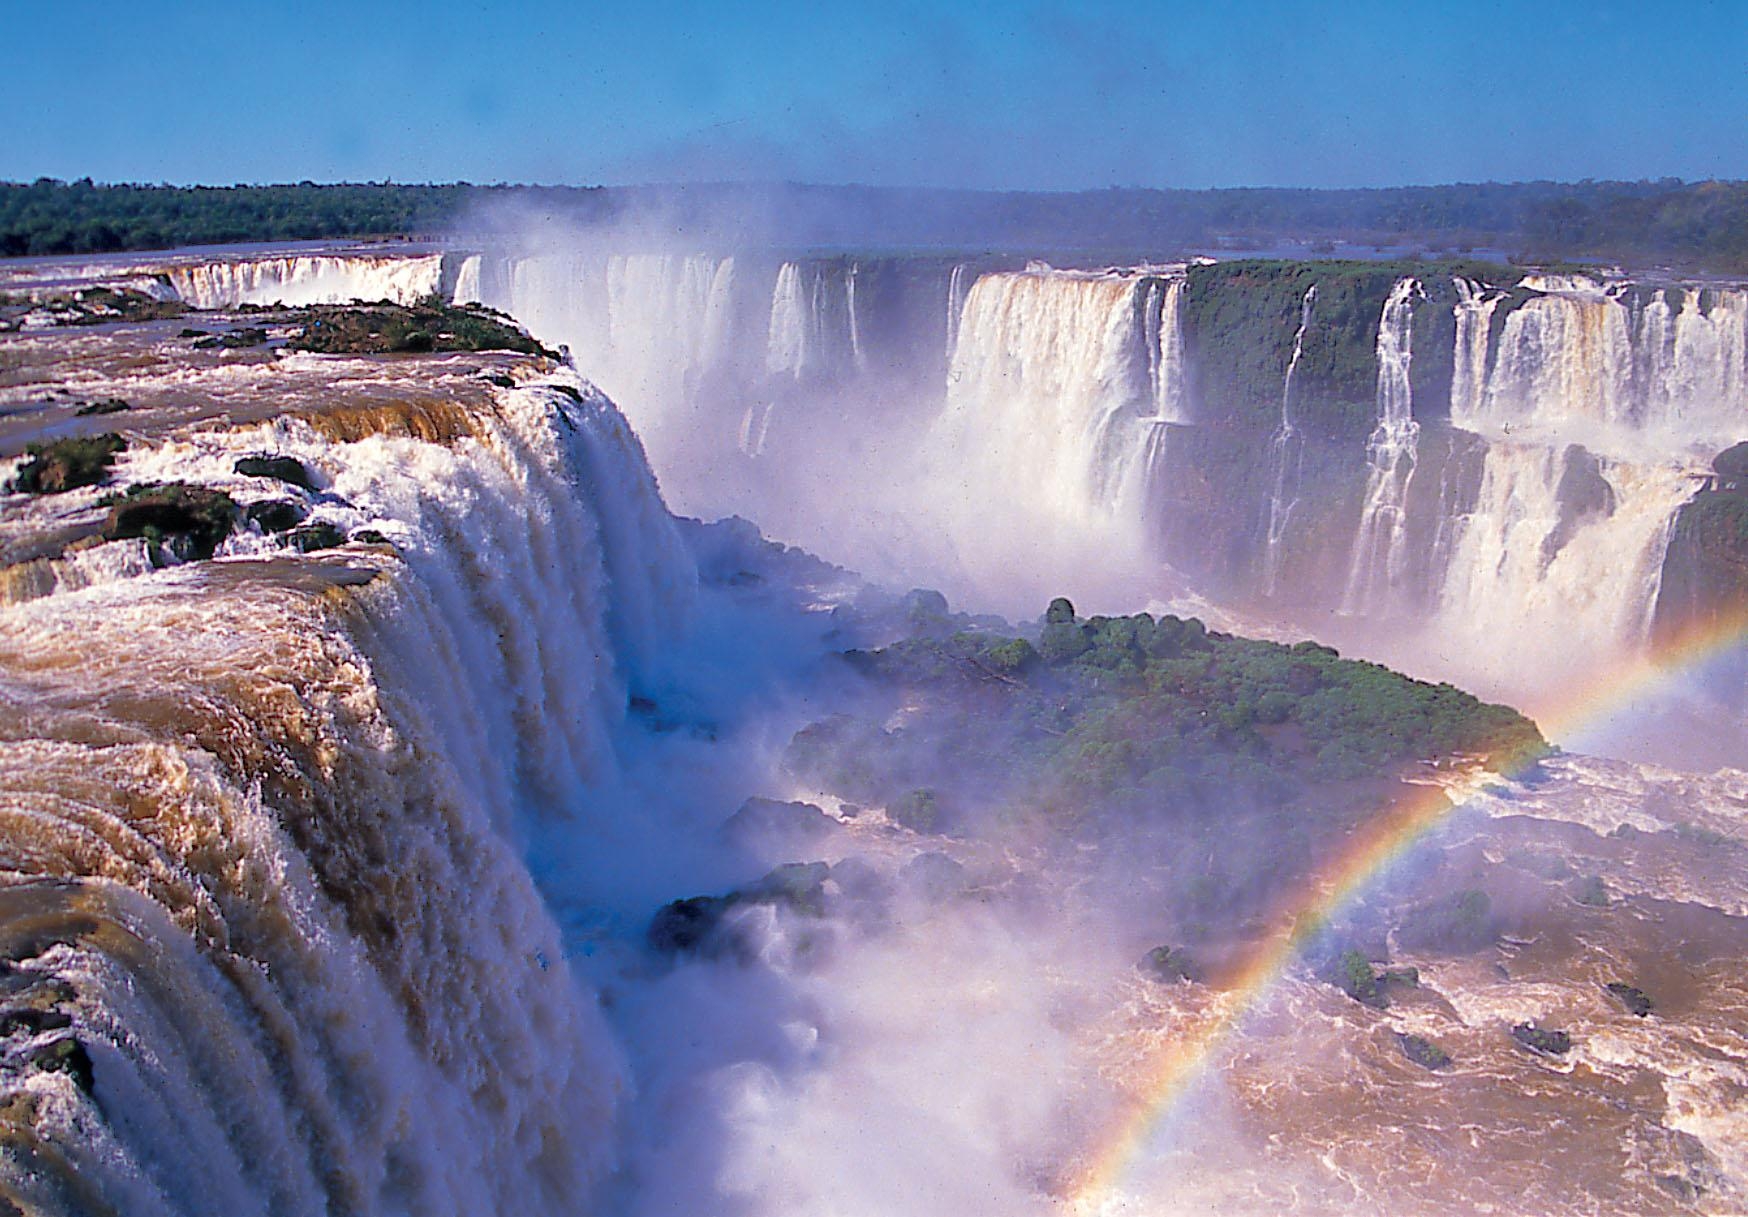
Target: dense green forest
(1692, 224)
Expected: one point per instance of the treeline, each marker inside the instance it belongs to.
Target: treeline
(54, 217)
(1699, 224)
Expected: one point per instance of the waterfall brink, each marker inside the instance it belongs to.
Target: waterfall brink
(1629, 368)
(1287, 455)
(271, 947)
(958, 286)
(814, 329)
(307, 279)
(1391, 453)
(1058, 388)
(1056, 381)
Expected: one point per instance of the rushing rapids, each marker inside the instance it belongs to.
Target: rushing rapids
(260, 874)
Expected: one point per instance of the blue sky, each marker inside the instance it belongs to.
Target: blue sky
(1047, 96)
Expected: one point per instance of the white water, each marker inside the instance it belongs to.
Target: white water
(310, 969)
(1376, 566)
(307, 279)
(1514, 591)
(814, 329)
(1287, 455)
(1579, 364)
(1058, 387)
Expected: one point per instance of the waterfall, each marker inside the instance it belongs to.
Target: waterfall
(1577, 359)
(1562, 553)
(1287, 455)
(307, 279)
(1690, 366)
(270, 892)
(956, 290)
(814, 329)
(1056, 382)
(855, 328)
(1474, 318)
(1390, 459)
(1164, 337)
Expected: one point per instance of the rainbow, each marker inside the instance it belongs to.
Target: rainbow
(1175, 1070)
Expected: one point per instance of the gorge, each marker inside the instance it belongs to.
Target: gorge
(338, 850)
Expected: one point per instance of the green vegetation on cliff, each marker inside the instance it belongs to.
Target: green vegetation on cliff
(1138, 715)
(1240, 319)
(393, 328)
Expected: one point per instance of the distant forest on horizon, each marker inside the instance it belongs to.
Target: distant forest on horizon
(1700, 225)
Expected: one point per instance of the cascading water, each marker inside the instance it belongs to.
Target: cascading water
(1287, 454)
(1549, 558)
(1059, 385)
(1562, 554)
(1474, 318)
(957, 288)
(306, 279)
(814, 329)
(1390, 460)
(270, 892)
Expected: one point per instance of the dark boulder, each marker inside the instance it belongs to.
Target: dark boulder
(772, 820)
(1169, 964)
(699, 924)
(1423, 1052)
(311, 537)
(1635, 1000)
(933, 876)
(67, 464)
(190, 521)
(1537, 1039)
(283, 468)
(274, 515)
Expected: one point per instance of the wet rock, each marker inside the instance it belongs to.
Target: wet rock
(1635, 1000)
(1423, 1052)
(282, 468)
(799, 885)
(109, 405)
(933, 875)
(65, 1055)
(1538, 1039)
(67, 464)
(370, 536)
(274, 515)
(189, 521)
(761, 819)
(1353, 974)
(699, 925)
(1169, 964)
(233, 340)
(687, 925)
(921, 810)
(311, 537)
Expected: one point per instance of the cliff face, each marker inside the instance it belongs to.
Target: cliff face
(1705, 575)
